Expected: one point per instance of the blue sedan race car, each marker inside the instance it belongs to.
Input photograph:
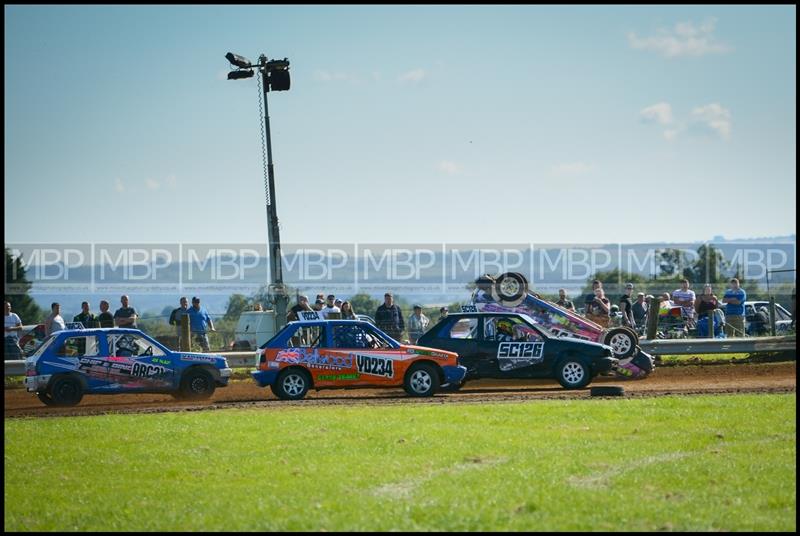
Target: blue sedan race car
(74, 362)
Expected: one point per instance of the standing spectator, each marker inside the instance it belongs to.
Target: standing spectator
(329, 308)
(338, 303)
(685, 297)
(105, 318)
(389, 317)
(705, 304)
(54, 322)
(626, 307)
(665, 303)
(347, 311)
(13, 327)
(563, 301)
(417, 324)
(639, 309)
(125, 317)
(85, 317)
(442, 313)
(200, 323)
(301, 305)
(320, 297)
(599, 309)
(734, 299)
(318, 305)
(760, 324)
(177, 314)
(589, 299)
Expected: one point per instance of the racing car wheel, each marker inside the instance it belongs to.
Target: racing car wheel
(510, 289)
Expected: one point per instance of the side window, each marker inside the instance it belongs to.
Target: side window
(306, 337)
(508, 329)
(350, 336)
(464, 328)
(128, 345)
(79, 347)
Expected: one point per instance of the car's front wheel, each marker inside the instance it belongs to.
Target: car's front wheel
(573, 373)
(196, 384)
(292, 384)
(421, 380)
(65, 391)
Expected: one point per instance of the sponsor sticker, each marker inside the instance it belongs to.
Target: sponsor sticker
(469, 309)
(520, 350)
(335, 377)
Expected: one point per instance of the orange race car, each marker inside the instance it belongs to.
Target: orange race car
(336, 354)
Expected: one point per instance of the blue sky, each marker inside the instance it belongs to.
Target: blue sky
(404, 123)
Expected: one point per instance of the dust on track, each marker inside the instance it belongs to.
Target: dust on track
(683, 380)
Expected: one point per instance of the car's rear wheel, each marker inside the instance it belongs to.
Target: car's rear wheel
(65, 391)
(510, 289)
(622, 341)
(196, 384)
(292, 384)
(573, 373)
(421, 380)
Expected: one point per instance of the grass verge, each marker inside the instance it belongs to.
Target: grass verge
(671, 463)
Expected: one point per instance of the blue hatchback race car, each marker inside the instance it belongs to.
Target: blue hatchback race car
(74, 362)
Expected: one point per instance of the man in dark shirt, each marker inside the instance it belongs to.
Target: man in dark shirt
(639, 309)
(589, 298)
(563, 301)
(125, 316)
(626, 307)
(85, 317)
(389, 317)
(301, 305)
(105, 318)
(178, 313)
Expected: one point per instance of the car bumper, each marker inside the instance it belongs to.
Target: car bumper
(264, 377)
(35, 384)
(454, 374)
(224, 376)
(604, 364)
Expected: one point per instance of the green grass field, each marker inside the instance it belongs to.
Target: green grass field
(671, 463)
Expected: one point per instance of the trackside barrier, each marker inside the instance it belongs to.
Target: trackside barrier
(743, 345)
(749, 345)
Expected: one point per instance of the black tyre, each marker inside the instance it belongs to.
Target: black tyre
(46, 399)
(608, 390)
(65, 391)
(510, 289)
(421, 380)
(292, 384)
(573, 373)
(196, 384)
(623, 341)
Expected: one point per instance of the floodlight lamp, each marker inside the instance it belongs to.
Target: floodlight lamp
(237, 75)
(237, 60)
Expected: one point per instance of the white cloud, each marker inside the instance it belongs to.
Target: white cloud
(152, 184)
(333, 76)
(414, 75)
(449, 167)
(570, 169)
(671, 134)
(118, 186)
(660, 113)
(712, 117)
(685, 39)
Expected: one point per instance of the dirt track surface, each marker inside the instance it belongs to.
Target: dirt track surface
(684, 380)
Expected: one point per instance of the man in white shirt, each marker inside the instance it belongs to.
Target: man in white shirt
(54, 322)
(685, 298)
(329, 308)
(13, 327)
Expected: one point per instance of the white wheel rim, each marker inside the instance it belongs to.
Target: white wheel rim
(293, 384)
(509, 286)
(621, 343)
(421, 381)
(573, 372)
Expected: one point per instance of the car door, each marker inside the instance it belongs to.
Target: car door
(361, 356)
(137, 363)
(461, 335)
(511, 348)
